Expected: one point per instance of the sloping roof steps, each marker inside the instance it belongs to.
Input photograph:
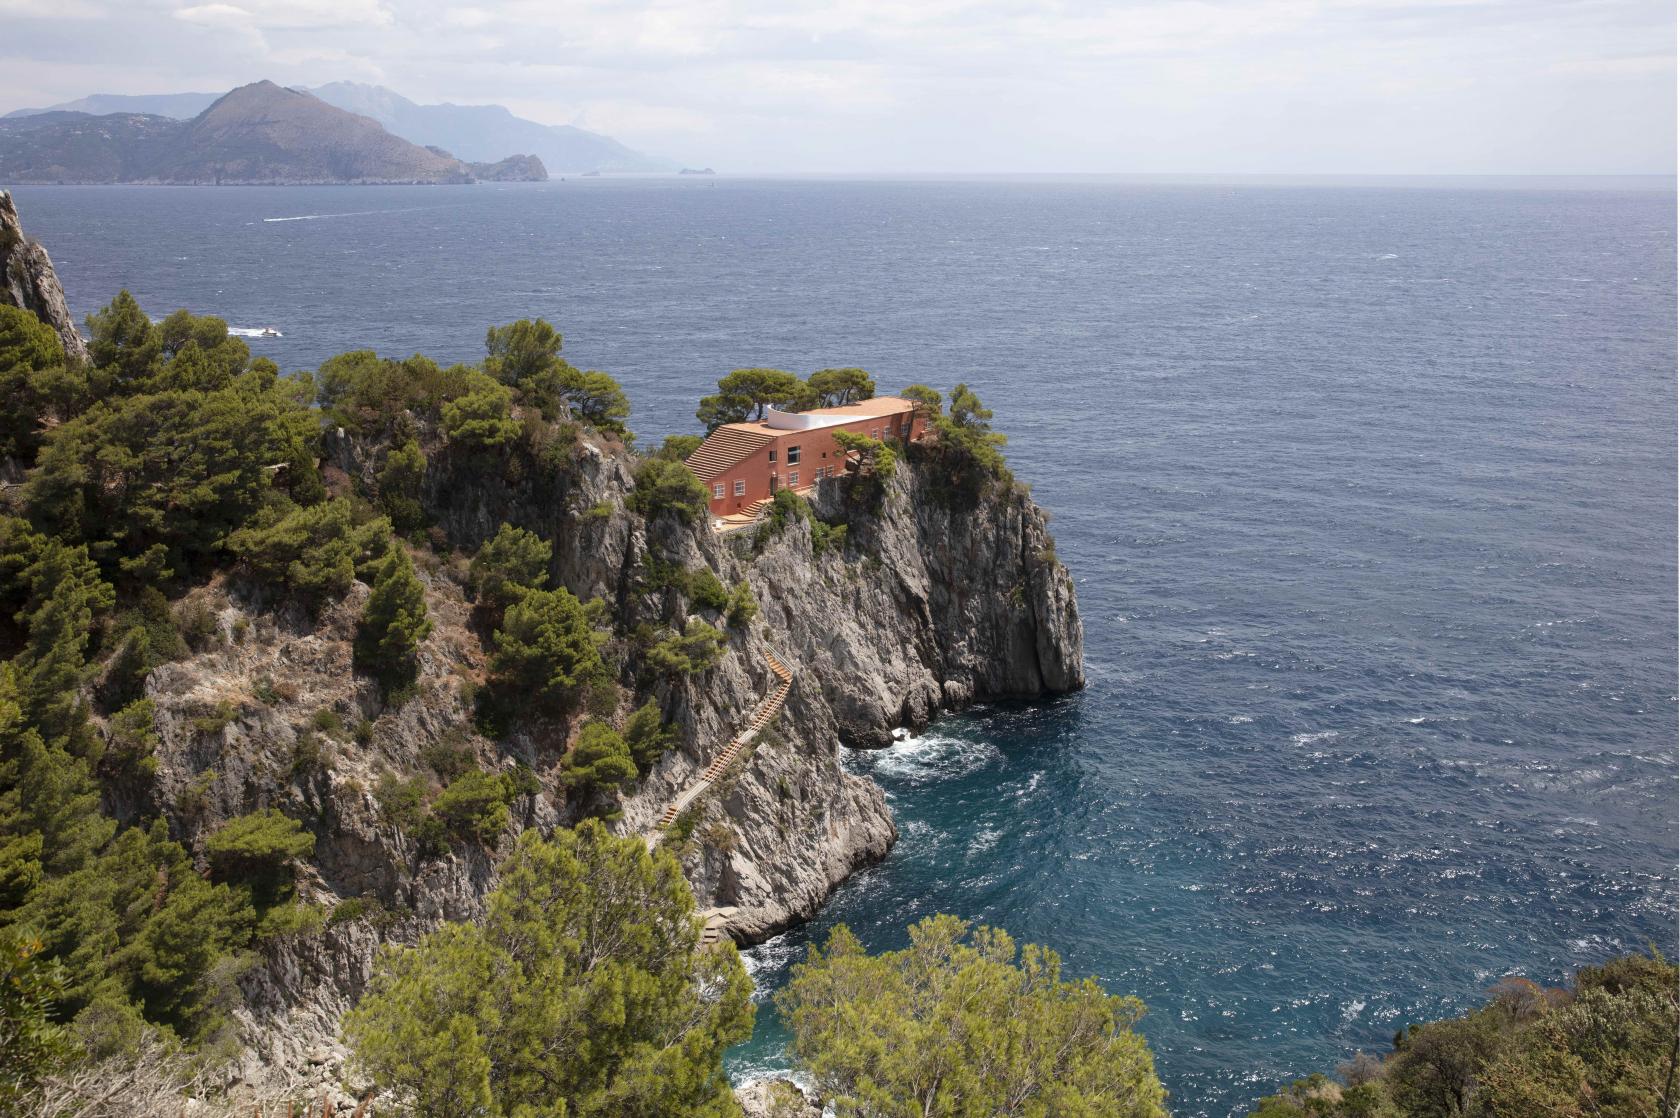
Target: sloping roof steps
(723, 448)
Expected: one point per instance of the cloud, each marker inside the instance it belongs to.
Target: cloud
(1100, 85)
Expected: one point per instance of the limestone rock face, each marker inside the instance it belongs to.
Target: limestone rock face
(929, 606)
(27, 280)
(775, 1098)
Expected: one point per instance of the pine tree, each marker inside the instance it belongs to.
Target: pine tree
(584, 992)
(394, 622)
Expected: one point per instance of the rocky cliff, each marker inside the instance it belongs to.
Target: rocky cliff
(27, 280)
(925, 607)
(931, 598)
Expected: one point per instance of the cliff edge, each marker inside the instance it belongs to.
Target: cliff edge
(27, 280)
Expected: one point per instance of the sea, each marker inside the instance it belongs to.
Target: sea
(1367, 487)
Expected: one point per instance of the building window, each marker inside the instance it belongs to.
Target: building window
(717, 490)
(740, 487)
(772, 456)
(793, 456)
(793, 479)
(874, 432)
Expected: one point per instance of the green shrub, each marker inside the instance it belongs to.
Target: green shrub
(216, 719)
(475, 805)
(327, 721)
(310, 553)
(296, 919)
(666, 486)
(547, 651)
(705, 591)
(694, 650)
(402, 803)
(449, 758)
(393, 624)
(742, 606)
(479, 419)
(257, 849)
(599, 762)
(308, 755)
(133, 738)
(508, 564)
(648, 737)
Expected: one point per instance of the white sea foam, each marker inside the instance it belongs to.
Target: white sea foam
(1317, 736)
(1239, 719)
(923, 757)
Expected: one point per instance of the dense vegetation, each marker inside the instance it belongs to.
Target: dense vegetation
(584, 992)
(1606, 1046)
(962, 1023)
(172, 463)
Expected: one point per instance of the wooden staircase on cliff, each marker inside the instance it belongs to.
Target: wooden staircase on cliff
(763, 715)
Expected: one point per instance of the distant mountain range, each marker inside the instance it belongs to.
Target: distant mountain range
(258, 133)
(472, 132)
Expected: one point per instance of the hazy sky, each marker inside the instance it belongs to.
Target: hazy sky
(1285, 86)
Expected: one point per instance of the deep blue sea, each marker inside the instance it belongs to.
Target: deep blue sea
(1369, 492)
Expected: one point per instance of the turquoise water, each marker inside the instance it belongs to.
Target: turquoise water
(1368, 490)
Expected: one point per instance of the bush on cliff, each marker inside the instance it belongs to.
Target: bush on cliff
(258, 850)
(28, 351)
(547, 651)
(1605, 1047)
(393, 624)
(508, 564)
(584, 991)
(600, 763)
(961, 1023)
(310, 552)
(666, 486)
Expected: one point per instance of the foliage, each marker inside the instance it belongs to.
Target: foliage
(742, 607)
(696, 649)
(788, 507)
(31, 358)
(1604, 1048)
(400, 479)
(181, 453)
(677, 448)
(600, 762)
(393, 624)
(32, 1044)
(480, 418)
(838, 387)
(584, 992)
(875, 458)
(370, 395)
(475, 805)
(526, 355)
(546, 650)
(509, 563)
(959, 1023)
(258, 850)
(311, 552)
(929, 403)
(666, 486)
(648, 737)
(745, 393)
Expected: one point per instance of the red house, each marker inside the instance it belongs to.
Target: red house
(744, 464)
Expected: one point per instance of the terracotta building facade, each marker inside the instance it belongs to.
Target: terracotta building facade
(742, 464)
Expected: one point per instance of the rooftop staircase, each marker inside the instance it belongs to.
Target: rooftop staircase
(722, 449)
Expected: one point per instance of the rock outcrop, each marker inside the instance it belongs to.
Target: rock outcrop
(928, 605)
(27, 280)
